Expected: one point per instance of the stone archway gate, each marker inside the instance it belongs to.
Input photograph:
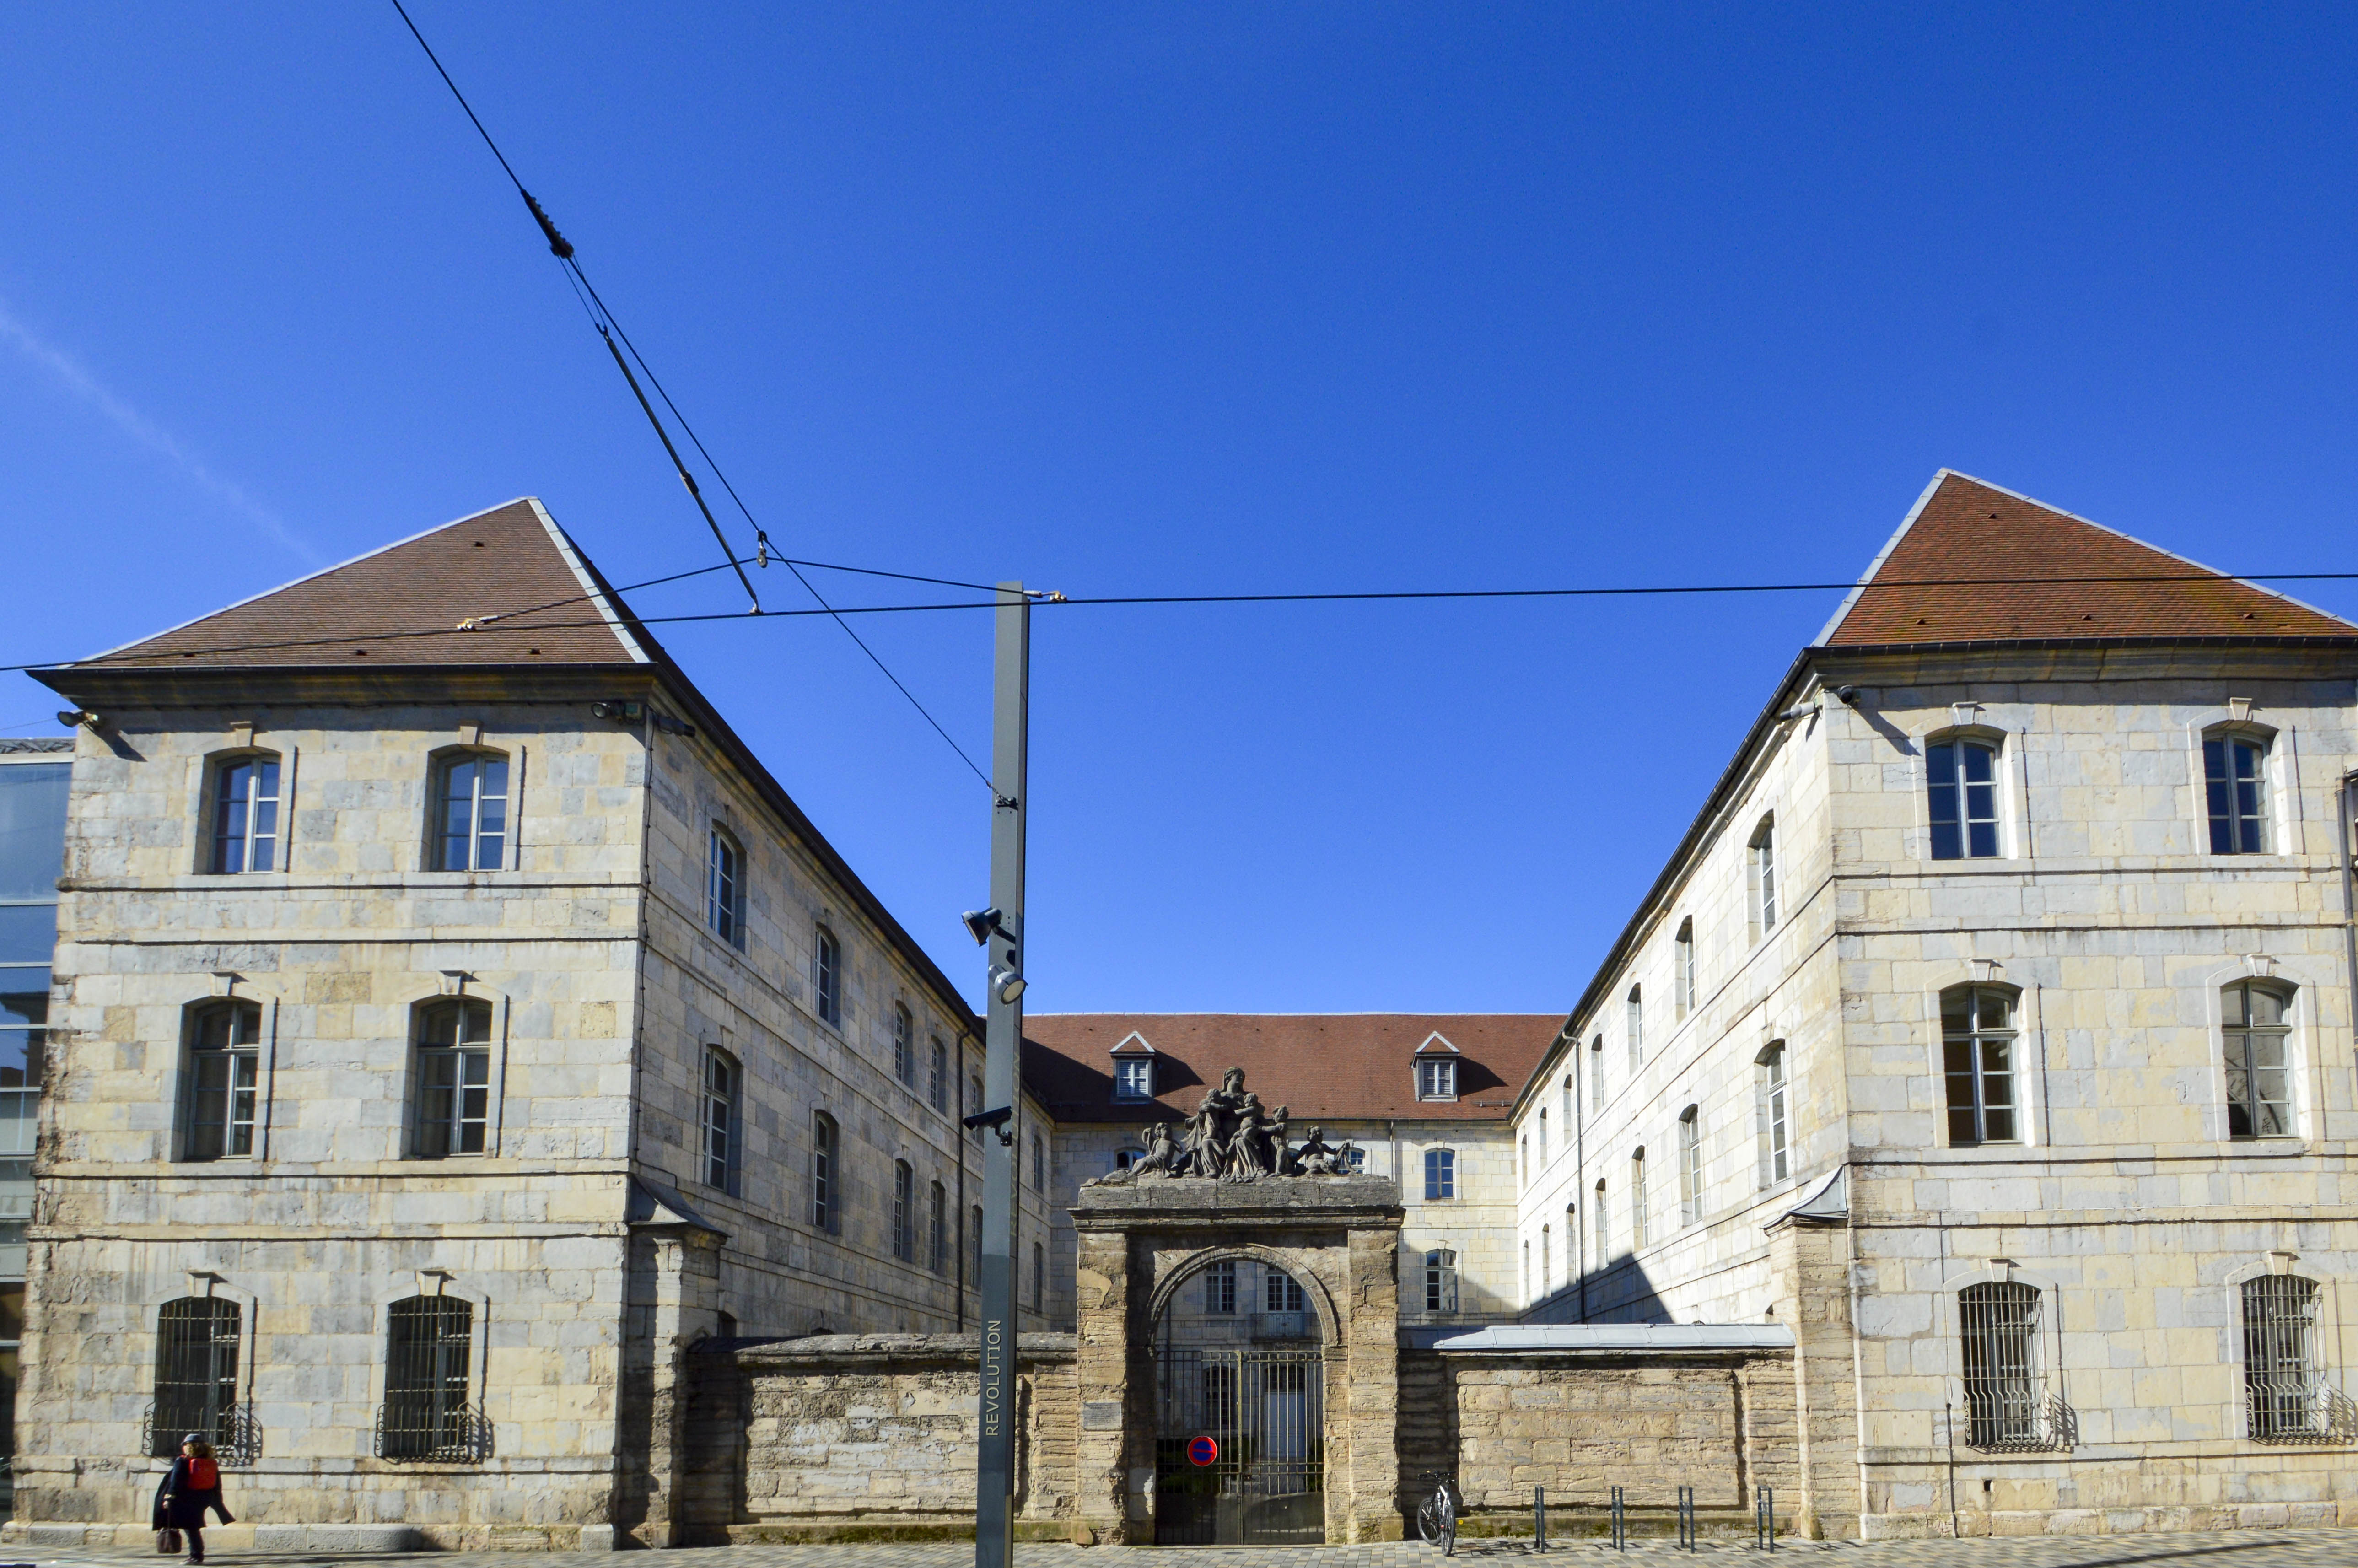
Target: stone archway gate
(1337, 1235)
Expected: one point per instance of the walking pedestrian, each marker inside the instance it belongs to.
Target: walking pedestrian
(192, 1486)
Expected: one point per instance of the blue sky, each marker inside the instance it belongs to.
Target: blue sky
(1188, 298)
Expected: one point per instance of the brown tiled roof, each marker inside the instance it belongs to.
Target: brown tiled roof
(1352, 1064)
(401, 605)
(1964, 529)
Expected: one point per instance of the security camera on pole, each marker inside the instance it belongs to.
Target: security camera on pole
(999, 930)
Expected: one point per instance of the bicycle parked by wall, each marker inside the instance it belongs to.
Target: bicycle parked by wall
(1437, 1516)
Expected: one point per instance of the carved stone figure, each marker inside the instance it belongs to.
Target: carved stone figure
(1230, 1138)
(1316, 1157)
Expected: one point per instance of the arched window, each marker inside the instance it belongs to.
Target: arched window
(245, 814)
(1977, 1061)
(1761, 877)
(1600, 1223)
(827, 1212)
(1039, 1278)
(1547, 1260)
(724, 1086)
(1597, 1075)
(1768, 1088)
(1523, 1157)
(938, 1082)
(1569, 1103)
(1637, 1197)
(2285, 1390)
(1637, 1030)
(2258, 1039)
(1123, 1159)
(826, 978)
(224, 1077)
(454, 1078)
(1440, 1174)
(196, 1373)
(1961, 784)
(974, 1103)
(1999, 1323)
(471, 812)
(1690, 1164)
(974, 1246)
(1543, 1138)
(724, 887)
(904, 1212)
(1441, 1281)
(1683, 969)
(2236, 788)
(937, 1231)
(426, 1414)
(1527, 1271)
(1571, 1240)
(904, 1047)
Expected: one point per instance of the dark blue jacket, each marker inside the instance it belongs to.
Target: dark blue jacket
(180, 1506)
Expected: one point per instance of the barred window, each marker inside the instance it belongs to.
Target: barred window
(1690, 1164)
(1999, 1323)
(1441, 1281)
(224, 1079)
(2236, 788)
(904, 1212)
(724, 888)
(2285, 1397)
(1960, 778)
(245, 815)
(2258, 1040)
(1682, 969)
(723, 1086)
(196, 1372)
(1977, 1058)
(827, 977)
(470, 813)
(826, 1200)
(1439, 1173)
(429, 1350)
(454, 1078)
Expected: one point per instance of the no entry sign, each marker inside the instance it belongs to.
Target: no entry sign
(1203, 1450)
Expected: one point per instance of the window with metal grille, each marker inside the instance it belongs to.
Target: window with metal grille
(1768, 1084)
(245, 815)
(2286, 1398)
(1638, 1198)
(2258, 1038)
(2236, 788)
(724, 888)
(1761, 877)
(1281, 1292)
(1436, 1078)
(196, 1372)
(1977, 1058)
(1220, 1288)
(1636, 1007)
(1439, 1173)
(826, 977)
(427, 1413)
(454, 1078)
(470, 813)
(937, 1231)
(1441, 1281)
(1682, 969)
(904, 1047)
(2000, 1323)
(1961, 784)
(1690, 1164)
(224, 1079)
(904, 1212)
(723, 1084)
(825, 1209)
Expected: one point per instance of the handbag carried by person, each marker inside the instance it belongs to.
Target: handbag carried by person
(167, 1542)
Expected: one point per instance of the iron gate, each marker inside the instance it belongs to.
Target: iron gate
(1266, 1410)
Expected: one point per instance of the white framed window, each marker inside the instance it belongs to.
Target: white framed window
(1440, 1174)
(454, 1078)
(1761, 877)
(937, 1080)
(1355, 1160)
(1436, 1078)
(1683, 969)
(723, 1084)
(2257, 1037)
(1441, 1281)
(1523, 1157)
(827, 975)
(245, 815)
(1123, 1159)
(1569, 1103)
(1961, 791)
(1597, 1075)
(1527, 1270)
(1601, 1222)
(1636, 1029)
(1547, 1262)
(724, 887)
(827, 1204)
(471, 812)
(1637, 1197)
(2236, 792)
(1977, 1062)
(1768, 1088)
(904, 1212)
(904, 1047)
(1543, 1138)
(1133, 1078)
(1690, 1164)
(224, 1077)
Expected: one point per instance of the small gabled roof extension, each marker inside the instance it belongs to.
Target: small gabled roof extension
(1965, 532)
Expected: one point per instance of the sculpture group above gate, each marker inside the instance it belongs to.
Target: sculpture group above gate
(1231, 1138)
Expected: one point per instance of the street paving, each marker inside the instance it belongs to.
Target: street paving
(2223, 1549)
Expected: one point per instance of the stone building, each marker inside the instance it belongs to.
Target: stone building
(1990, 1029)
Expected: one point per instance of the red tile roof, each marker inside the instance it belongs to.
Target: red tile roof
(401, 605)
(1962, 529)
(1352, 1065)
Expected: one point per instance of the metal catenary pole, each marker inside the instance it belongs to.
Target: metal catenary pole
(1003, 1035)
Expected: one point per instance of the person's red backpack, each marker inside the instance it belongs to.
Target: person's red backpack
(203, 1474)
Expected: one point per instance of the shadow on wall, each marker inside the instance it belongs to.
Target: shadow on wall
(1618, 1292)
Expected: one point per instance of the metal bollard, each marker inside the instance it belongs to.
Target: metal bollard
(1620, 1524)
(1686, 1518)
(1764, 1517)
(1538, 1519)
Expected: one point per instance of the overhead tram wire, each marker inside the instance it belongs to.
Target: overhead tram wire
(1370, 596)
(617, 340)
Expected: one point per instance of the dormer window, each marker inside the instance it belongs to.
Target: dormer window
(1436, 1078)
(1133, 1078)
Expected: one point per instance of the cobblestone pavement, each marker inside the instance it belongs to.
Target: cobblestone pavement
(2227, 1549)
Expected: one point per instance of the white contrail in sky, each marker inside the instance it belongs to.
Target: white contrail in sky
(153, 437)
